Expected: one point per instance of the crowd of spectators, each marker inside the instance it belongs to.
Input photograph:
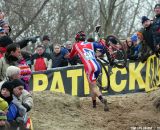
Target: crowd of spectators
(145, 42)
(15, 73)
(16, 66)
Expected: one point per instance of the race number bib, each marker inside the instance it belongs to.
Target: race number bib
(88, 55)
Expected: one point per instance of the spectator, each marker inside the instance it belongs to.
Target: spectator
(156, 27)
(147, 32)
(75, 60)
(58, 59)
(22, 72)
(5, 26)
(135, 48)
(2, 50)
(12, 72)
(41, 60)
(21, 96)
(140, 44)
(25, 72)
(46, 43)
(129, 48)
(11, 57)
(3, 118)
(6, 93)
(2, 15)
(2, 32)
(6, 40)
(23, 100)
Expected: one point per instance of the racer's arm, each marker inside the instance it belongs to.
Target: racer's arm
(72, 53)
(97, 45)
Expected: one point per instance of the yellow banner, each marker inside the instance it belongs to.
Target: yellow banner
(72, 80)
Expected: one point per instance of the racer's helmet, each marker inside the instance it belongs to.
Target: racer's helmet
(80, 36)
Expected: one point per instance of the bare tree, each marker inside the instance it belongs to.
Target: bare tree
(61, 19)
(27, 24)
(134, 17)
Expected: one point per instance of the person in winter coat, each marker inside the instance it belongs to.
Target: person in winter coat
(14, 72)
(6, 40)
(58, 54)
(156, 28)
(22, 98)
(6, 93)
(12, 57)
(4, 125)
(41, 60)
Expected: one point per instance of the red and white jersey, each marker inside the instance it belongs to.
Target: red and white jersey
(85, 51)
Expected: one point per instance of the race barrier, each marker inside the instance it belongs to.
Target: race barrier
(72, 80)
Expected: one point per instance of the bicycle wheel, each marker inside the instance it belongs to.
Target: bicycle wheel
(103, 80)
(115, 52)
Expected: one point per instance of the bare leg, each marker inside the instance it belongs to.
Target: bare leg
(93, 99)
(96, 93)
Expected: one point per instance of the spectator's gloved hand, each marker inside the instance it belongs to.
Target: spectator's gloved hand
(22, 110)
(20, 120)
(26, 106)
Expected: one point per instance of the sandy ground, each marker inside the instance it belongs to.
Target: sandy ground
(56, 111)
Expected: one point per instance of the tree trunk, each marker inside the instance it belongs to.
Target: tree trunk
(134, 17)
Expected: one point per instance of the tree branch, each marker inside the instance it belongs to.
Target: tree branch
(101, 10)
(120, 3)
(31, 21)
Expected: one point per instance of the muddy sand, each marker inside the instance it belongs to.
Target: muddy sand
(56, 111)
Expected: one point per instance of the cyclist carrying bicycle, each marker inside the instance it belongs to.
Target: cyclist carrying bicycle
(85, 50)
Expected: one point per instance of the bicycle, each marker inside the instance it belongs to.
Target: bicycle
(116, 57)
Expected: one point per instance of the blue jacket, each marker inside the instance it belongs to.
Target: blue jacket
(137, 50)
(12, 112)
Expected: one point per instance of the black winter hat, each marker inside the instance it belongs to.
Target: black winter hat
(17, 82)
(144, 18)
(5, 41)
(157, 5)
(8, 85)
(45, 37)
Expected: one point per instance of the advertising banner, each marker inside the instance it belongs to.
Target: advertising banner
(72, 80)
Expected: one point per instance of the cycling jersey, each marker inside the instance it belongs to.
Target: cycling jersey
(86, 53)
